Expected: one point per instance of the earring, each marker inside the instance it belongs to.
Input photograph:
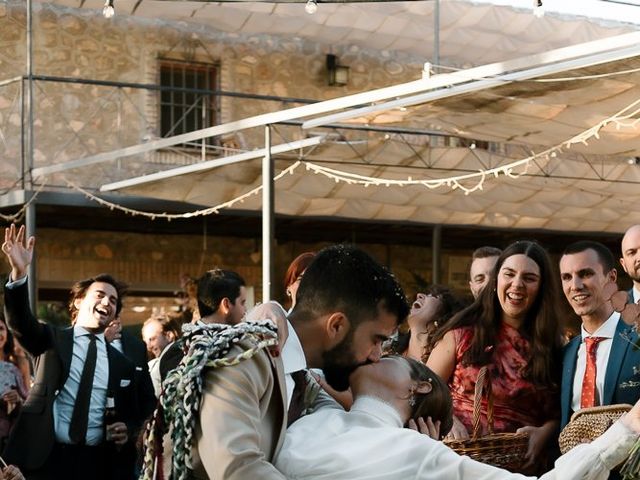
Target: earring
(412, 396)
(288, 293)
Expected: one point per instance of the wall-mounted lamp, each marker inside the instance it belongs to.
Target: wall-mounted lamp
(108, 11)
(336, 74)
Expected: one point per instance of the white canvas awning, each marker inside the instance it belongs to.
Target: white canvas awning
(533, 112)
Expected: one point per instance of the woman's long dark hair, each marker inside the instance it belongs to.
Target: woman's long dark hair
(9, 345)
(541, 326)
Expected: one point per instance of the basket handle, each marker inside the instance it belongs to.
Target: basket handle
(483, 383)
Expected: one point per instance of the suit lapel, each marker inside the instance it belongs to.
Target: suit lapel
(630, 292)
(114, 370)
(65, 348)
(618, 351)
(569, 365)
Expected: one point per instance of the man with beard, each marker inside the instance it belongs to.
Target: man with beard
(347, 306)
(630, 260)
(61, 431)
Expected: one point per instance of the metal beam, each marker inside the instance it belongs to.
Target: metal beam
(211, 164)
(477, 85)
(268, 223)
(383, 94)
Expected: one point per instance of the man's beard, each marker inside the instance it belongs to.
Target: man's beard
(339, 363)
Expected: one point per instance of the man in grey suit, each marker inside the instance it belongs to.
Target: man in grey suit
(600, 366)
(61, 429)
(630, 260)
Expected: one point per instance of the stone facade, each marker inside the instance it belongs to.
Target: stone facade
(74, 120)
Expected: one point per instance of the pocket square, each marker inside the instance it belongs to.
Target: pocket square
(138, 369)
(125, 382)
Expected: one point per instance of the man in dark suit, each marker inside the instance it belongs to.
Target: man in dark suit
(222, 298)
(630, 260)
(601, 366)
(84, 404)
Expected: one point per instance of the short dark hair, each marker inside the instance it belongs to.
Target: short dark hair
(345, 278)
(436, 404)
(605, 257)
(215, 285)
(79, 290)
(485, 252)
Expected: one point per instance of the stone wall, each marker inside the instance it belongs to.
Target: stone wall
(73, 121)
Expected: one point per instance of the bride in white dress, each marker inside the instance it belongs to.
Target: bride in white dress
(369, 441)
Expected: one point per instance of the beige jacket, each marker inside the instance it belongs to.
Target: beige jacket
(243, 420)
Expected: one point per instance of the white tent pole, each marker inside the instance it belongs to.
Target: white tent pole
(475, 85)
(211, 164)
(268, 223)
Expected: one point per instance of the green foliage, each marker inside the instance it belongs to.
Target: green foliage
(54, 313)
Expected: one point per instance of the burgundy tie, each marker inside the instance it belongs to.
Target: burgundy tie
(588, 397)
(296, 407)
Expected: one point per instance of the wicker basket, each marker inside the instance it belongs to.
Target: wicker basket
(587, 424)
(504, 450)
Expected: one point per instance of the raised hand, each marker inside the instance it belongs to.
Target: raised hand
(18, 250)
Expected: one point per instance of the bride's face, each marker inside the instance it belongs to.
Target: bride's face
(391, 374)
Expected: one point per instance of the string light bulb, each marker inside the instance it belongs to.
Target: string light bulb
(311, 7)
(108, 11)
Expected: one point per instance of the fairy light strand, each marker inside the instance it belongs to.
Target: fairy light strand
(17, 217)
(624, 118)
(172, 216)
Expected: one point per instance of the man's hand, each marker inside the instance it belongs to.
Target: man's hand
(426, 427)
(271, 311)
(458, 430)
(117, 432)
(19, 252)
(11, 396)
(11, 472)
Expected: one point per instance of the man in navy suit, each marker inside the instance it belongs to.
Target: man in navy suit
(62, 430)
(586, 268)
(630, 260)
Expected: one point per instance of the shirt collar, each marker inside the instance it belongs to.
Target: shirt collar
(378, 408)
(606, 330)
(636, 294)
(81, 332)
(293, 358)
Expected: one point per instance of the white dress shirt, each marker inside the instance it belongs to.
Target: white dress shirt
(154, 370)
(293, 359)
(65, 399)
(369, 443)
(636, 294)
(606, 330)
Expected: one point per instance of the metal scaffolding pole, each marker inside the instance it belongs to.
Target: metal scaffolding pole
(30, 218)
(268, 203)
